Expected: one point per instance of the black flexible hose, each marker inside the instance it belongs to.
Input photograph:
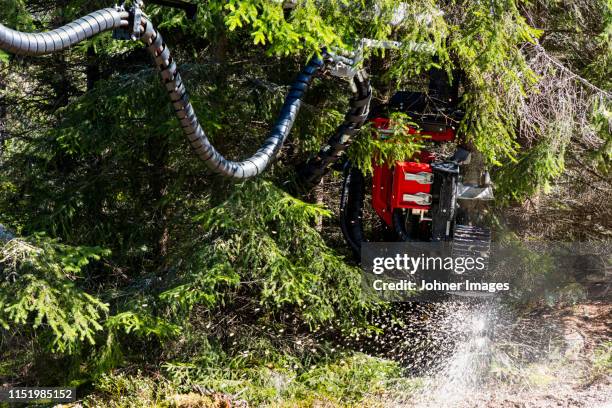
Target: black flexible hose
(116, 18)
(110, 19)
(192, 129)
(311, 173)
(351, 207)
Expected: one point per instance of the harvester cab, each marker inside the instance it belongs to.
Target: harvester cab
(424, 197)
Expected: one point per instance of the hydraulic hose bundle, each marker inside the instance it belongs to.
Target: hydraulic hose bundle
(314, 170)
(192, 129)
(141, 28)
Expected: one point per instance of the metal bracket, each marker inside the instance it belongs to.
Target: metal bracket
(344, 64)
(421, 178)
(418, 198)
(131, 33)
(341, 66)
(136, 13)
(474, 192)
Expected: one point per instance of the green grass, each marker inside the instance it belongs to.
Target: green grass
(349, 381)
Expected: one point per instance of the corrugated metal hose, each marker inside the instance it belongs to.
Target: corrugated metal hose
(118, 19)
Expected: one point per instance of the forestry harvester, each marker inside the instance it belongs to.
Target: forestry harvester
(425, 197)
(421, 198)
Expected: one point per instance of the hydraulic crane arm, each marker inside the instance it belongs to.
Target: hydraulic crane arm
(141, 28)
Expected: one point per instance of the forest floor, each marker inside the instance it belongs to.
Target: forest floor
(576, 371)
(547, 357)
(558, 356)
(544, 357)
(487, 356)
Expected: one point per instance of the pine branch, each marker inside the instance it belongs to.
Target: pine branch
(574, 75)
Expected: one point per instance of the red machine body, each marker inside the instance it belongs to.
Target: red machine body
(405, 184)
(437, 133)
